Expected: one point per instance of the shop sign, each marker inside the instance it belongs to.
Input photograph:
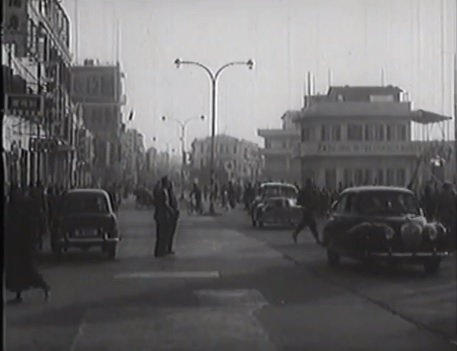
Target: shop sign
(24, 104)
(409, 148)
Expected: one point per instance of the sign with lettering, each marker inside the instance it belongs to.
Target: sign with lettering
(24, 105)
(97, 84)
(363, 149)
(15, 25)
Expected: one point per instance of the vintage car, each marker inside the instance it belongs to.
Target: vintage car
(276, 203)
(382, 223)
(86, 219)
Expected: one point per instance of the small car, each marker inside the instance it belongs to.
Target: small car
(86, 219)
(276, 203)
(383, 223)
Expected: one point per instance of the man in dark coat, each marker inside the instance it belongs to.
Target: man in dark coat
(173, 201)
(20, 268)
(163, 217)
(307, 198)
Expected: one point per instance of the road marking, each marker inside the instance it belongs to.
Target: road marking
(194, 328)
(248, 298)
(164, 274)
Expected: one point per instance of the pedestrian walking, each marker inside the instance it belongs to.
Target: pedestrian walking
(162, 216)
(174, 217)
(307, 199)
(20, 268)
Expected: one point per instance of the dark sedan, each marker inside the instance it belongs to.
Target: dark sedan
(86, 219)
(384, 224)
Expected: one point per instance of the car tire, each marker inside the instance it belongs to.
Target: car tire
(111, 250)
(56, 249)
(432, 266)
(333, 258)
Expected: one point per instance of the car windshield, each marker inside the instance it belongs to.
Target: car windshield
(85, 203)
(386, 202)
(278, 190)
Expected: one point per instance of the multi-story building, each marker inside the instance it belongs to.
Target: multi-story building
(357, 135)
(234, 158)
(280, 165)
(39, 125)
(133, 155)
(97, 88)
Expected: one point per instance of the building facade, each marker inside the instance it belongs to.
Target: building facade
(361, 135)
(40, 122)
(234, 158)
(279, 144)
(97, 89)
(133, 155)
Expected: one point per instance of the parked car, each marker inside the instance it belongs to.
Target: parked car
(382, 223)
(276, 203)
(86, 219)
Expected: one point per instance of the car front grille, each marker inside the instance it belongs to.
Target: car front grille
(412, 240)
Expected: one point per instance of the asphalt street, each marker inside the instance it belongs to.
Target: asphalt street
(229, 287)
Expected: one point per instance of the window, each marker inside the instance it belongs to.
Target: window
(368, 177)
(325, 135)
(389, 133)
(284, 144)
(379, 132)
(390, 177)
(340, 207)
(401, 177)
(202, 148)
(336, 133)
(235, 149)
(202, 163)
(369, 132)
(358, 176)
(355, 132)
(330, 179)
(305, 134)
(348, 177)
(380, 177)
(401, 132)
(267, 144)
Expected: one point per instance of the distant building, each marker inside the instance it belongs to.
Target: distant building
(133, 155)
(234, 158)
(361, 135)
(280, 164)
(98, 89)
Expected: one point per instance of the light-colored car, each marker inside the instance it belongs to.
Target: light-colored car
(276, 203)
(86, 219)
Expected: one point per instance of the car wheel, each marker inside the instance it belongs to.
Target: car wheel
(56, 249)
(112, 251)
(333, 258)
(432, 266)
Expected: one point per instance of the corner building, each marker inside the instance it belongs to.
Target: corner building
(360, 135)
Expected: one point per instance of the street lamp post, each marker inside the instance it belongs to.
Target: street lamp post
(213, 77)
(182, 137)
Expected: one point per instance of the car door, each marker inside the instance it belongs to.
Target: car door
(340, 220)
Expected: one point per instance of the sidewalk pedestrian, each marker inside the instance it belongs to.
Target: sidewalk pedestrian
(20, 268)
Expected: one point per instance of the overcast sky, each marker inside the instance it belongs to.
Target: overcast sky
(413, 41)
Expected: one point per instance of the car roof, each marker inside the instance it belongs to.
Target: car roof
(278, 184)
(375, 188)
(86, 191)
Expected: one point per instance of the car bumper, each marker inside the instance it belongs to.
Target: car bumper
(407, 256)
(87, 241)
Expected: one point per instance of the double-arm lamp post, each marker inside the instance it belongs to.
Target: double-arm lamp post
(214, 78)
(182, 138)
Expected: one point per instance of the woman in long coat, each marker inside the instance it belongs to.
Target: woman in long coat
(20, 269)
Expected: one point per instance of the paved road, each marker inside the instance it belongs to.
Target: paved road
(227, 288)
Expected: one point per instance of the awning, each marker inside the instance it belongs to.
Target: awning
(427, 117)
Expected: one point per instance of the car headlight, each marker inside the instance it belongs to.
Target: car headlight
(431, 231)
(389, 233)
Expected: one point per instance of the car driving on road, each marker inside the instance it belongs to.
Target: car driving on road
(86, 219)
(383, 223)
